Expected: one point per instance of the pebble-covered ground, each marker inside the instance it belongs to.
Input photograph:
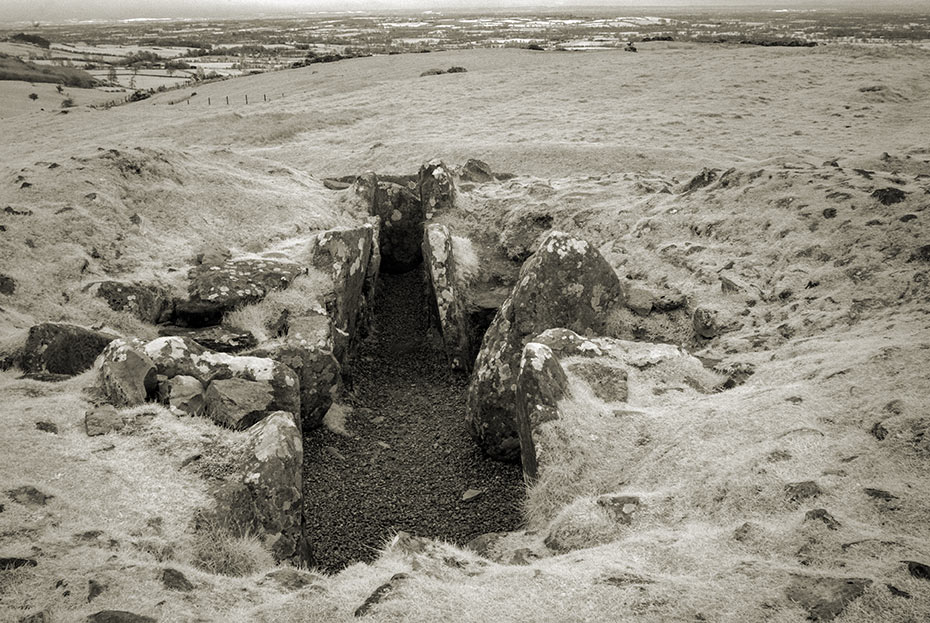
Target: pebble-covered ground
(408, 459)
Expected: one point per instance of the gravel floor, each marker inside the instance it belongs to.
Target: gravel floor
(408, 458)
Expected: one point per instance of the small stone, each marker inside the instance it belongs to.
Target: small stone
(825, 598)
(897, 592)
(380, 593)
(829, 213)
(821, 514)
(7, 285)
(918, 569)
(472, 494)
(47, 427)
(292, 579)
(889, 196)
(118, 616)
(880, 494)
(523, 557)
(39, 617)
(94, 588)
(29, 496)
(706, 322)
(639, 300)
(798, 491)
(174, 580)
(878, 431)
(921, 254)
(907, 217)
(102, 420)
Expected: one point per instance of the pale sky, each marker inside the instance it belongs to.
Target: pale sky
(60, 10)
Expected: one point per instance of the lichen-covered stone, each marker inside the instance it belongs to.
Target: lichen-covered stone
(436, 186)
(177, 356)
(541, 383)
(567, 283)
(126, 374)
(264, 494)
(148, 303)
(344, 253)
(309, 353)
(57, 348)
(238, 403)
(238, 282)
(186, 394)
(453, 320)
(402, 216)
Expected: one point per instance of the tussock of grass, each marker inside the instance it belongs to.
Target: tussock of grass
(223, 550)
(303, 297)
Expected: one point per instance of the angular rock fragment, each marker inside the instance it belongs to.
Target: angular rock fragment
(62, 348)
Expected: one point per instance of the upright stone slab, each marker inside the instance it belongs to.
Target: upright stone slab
(437, 188)
(402, 216)
(264, 494)
(566, 283)
(453, 320)
(541, 383)
(345, 253)
(148, 303)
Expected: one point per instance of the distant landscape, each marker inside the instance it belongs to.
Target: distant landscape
(143, 56)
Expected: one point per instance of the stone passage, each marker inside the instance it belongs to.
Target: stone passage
(409, 459)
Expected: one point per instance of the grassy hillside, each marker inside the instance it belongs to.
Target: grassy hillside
(827, 289)
(15, 69)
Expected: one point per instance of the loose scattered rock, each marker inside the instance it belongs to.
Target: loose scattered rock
(821, 514)
(186, 394)
(798, 491)
(118, 616)
(825, 598)
(29, 496)
(238, 282)
(706, 322)
(889, 196)
(174, 580)
(621, 507)
(42, 616)
(238, 403)
(148, 303)
(471, 494)
(292, 579)
(94, 589)
(62, 349)
(918, 569)
(435, 184)
(380, 593)
(7, 284)
(217, 338)
(47, 427)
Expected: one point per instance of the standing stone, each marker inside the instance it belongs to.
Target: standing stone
(401, 215)
(344, 253)
(541, 383)
(566, 283)
(437, 190)
(238, 282)
(453, 320)
(126, 375)
(264, 495)
(61, 349)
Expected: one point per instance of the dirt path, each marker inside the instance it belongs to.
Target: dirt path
(408, 458)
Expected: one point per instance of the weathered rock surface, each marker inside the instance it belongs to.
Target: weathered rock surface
(264, 495)
(437, 189)
(567, 283)
(118, 616)
(146, 302)
(707, 322)
(310, 356)
(453, 320)
(402, 215)
(127, 374)
(825, 598)
(380, 593)
(238, 282)
(238, 403)
(541, 383)
(175, 356)
(219, 338)
(174, 580)
(345, 254)
(186, 394)
(7, 284)
(62, 348)
(558, 363)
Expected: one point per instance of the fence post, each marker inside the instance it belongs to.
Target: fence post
(264, 97)
(246, 99)
(208, 101)
(227, 100)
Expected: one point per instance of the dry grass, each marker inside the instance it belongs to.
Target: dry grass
(303, 297)
(223, 550)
